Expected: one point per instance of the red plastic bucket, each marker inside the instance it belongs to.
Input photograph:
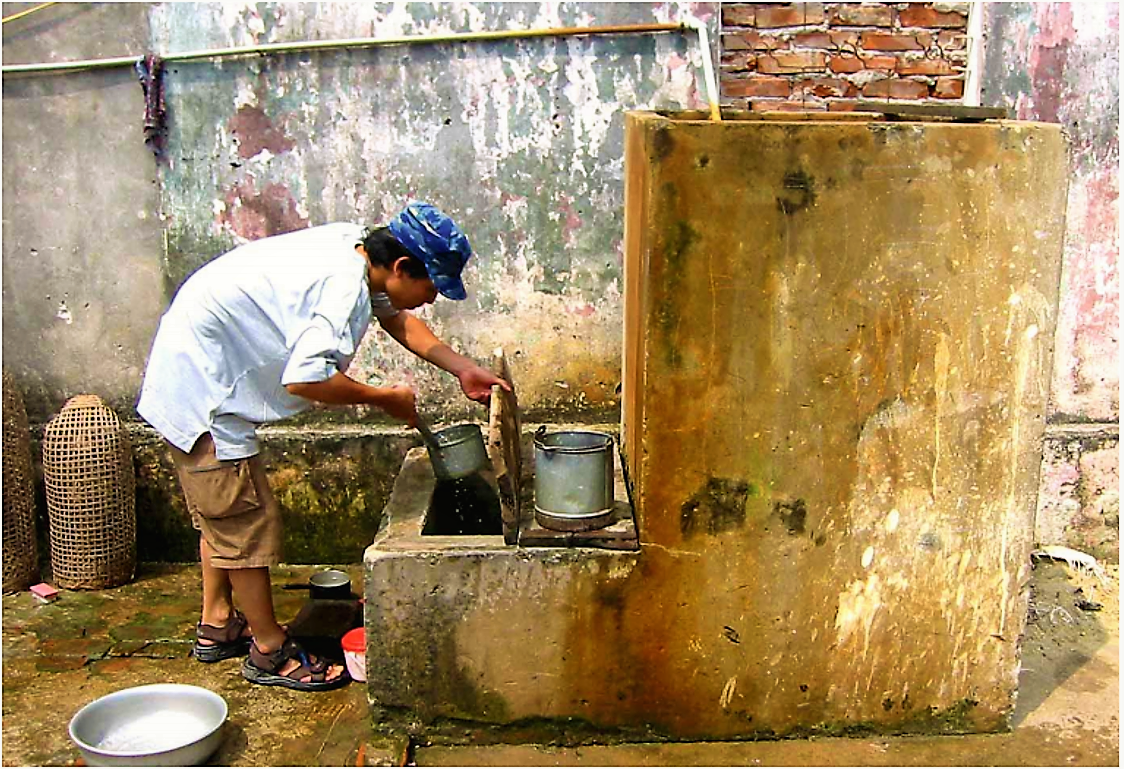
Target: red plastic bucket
(354, 643)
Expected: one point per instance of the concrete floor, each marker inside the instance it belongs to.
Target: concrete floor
(60, 656)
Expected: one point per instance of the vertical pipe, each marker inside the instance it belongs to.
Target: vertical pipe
(973, 86)
(708, 67)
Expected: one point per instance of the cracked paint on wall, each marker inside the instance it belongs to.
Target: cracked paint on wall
(1079, 505)
(1059, 62)
(521, 141)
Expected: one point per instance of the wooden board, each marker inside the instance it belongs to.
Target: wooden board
(504, 448)
(956, 112)
(620, 534)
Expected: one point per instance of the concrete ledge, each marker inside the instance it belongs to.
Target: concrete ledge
(331, 482)
(1079, 489)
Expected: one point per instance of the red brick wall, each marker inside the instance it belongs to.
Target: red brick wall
(826, 56)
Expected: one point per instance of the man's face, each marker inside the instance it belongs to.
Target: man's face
(407, 292)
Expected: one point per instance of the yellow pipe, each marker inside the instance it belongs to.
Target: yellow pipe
(369, 42)
(708, 67)
(21, 14)
(362, 42)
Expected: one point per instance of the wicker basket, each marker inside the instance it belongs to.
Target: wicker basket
(21, 562)
(88, 468)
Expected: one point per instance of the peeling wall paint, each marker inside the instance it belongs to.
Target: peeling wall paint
(1079, 501)
(520, 140)
(1059, 63)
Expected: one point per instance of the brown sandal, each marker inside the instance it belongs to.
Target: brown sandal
(228, 640)
(262, 668)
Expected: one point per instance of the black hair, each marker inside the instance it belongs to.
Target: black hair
(383, 250)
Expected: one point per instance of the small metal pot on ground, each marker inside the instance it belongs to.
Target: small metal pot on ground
(327, 584)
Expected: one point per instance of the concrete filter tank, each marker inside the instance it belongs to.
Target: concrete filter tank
(850, 324)
(838, 337)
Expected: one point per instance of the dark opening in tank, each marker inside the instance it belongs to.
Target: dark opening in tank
(464, 506)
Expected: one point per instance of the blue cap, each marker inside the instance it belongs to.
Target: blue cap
(434, 238)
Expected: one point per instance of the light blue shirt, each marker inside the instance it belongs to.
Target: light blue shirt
(281, 310)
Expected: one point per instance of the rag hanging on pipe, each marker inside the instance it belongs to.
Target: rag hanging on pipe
(150, 70)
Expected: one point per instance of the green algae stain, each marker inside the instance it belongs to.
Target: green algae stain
(955, 719)
(164, 531)
(76, 619)
(188, 249)
(679, 239)
(331, 492)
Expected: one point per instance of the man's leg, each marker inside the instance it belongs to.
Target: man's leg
(255, 596)
(236, 546)
(218, 604)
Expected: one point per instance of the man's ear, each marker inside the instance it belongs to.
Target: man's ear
(399, 266)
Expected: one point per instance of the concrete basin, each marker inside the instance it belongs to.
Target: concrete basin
(461, 625)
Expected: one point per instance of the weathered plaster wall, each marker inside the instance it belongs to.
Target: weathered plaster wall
(521, 141)
(1079, 499)
(331, 484)
(82, 249)
(1059, 63)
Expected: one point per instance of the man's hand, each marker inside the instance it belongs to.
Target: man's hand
(399, 402)
(477, 381)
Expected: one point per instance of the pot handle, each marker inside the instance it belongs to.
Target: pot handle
(427, 435)
(297, 586)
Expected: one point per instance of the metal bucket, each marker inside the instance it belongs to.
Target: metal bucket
(459, 452)
(573, 480)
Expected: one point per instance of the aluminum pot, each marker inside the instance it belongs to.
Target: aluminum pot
(153, 725)
(573, 479)
(457, 452)
(330, 583)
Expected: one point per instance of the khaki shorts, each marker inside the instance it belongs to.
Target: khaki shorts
(231, 505)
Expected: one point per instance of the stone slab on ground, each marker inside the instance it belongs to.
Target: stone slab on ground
(61, 656)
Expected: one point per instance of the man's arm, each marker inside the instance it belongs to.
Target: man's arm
(397, 401)
(412, 333)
